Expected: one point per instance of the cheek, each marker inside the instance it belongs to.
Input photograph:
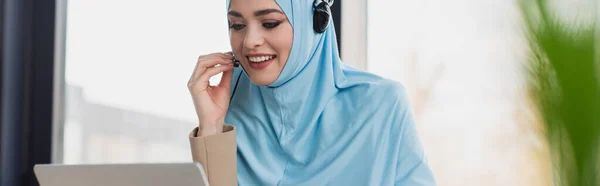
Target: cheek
(284, 42)
(287, 42)
(236, 41)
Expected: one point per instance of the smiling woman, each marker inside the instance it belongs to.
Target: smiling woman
(261, 37)
(299, 116)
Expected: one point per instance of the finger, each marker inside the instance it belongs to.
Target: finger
(210, 72)
(230, 53)
(226, 79)
(226, 55)
(216, 61)
(201, 66)
(194, 72)
(216, 55)
(198, 69)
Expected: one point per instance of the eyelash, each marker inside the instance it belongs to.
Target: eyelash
(237, 27)
(267, 25)
(271, 25)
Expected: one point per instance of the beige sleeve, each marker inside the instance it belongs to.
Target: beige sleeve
(217, 154)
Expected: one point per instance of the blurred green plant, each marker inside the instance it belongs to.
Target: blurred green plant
(563, 81)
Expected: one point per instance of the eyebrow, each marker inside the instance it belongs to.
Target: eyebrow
(256, 14)
(266, 11)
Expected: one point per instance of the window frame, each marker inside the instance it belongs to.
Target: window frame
(354, 27)
(352, 45)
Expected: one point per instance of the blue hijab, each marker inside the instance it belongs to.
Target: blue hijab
(322, 122)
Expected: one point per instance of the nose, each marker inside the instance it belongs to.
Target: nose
(253, 38)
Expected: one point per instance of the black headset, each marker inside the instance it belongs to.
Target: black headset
(321, 16)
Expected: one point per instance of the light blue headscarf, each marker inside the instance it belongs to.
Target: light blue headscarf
(324, 123)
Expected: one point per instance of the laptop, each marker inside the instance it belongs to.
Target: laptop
(167, 174)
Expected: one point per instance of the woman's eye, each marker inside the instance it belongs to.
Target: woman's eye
(237, 26)
(271, 24)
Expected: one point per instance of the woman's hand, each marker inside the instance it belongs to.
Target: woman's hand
(211, 102)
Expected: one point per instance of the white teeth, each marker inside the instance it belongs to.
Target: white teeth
(260, 58)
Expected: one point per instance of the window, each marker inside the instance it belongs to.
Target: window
(127, 63)
(460, 62)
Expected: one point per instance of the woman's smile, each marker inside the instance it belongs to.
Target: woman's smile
(260, 61)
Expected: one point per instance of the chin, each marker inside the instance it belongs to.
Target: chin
(266, 76)
(262, 80)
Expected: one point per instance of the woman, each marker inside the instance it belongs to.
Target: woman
(300, 116)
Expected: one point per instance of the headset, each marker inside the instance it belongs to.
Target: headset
(236, 63)
(321, 16)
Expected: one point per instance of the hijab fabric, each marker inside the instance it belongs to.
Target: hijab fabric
(322, 122)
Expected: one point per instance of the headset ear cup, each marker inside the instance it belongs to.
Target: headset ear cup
(321, 17)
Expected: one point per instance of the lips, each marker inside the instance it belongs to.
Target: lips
(260, 61)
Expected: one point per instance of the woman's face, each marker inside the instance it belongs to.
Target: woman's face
(261, 38)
